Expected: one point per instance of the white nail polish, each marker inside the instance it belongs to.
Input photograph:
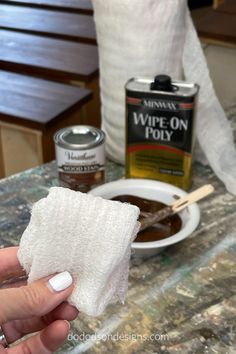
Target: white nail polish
(60, 281)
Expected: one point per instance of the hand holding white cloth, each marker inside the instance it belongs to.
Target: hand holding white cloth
(88, 236)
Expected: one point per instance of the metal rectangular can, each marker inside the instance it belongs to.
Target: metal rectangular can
(160, 129)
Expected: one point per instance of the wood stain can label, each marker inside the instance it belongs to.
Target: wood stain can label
(160, 129)
(80, 155)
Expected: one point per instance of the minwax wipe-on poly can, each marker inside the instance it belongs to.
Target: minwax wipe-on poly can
(160, 129)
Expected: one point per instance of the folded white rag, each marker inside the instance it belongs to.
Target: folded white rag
(86, 235)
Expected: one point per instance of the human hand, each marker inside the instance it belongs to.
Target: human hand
(38, 307)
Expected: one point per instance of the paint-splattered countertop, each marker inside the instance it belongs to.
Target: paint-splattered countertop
(182, 301)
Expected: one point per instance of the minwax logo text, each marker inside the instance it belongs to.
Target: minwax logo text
(163, 105)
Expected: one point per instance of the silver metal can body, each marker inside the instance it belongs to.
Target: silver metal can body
(80, 155)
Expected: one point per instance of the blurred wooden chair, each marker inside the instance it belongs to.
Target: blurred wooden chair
(217, 25)
(55, 24)
(217, 3)
(54, 59)
(31, 110)
(75, 6)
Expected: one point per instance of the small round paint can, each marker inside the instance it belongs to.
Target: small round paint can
(80, 155)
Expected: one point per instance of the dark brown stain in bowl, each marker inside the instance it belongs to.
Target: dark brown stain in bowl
(161, 230)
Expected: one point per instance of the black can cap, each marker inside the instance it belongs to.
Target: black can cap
(162, 83)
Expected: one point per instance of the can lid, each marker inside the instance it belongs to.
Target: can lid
(162, 83)
(142, 86)
(79, 137)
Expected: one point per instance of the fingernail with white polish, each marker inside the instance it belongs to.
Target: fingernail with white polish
(61, 281)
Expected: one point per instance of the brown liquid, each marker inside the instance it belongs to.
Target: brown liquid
(165, 228)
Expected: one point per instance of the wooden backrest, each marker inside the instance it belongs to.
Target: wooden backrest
(217, 26)
(51, 58)
(68, 26)
(81, 6)
(217, 3)
(228, 6)
(37, 103)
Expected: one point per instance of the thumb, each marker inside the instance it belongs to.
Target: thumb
(35, 299)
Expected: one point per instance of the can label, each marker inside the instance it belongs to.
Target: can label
(83, 161)
(81, 170)
(159, 137)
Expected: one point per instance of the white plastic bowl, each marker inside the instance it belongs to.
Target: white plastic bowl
(154, 190)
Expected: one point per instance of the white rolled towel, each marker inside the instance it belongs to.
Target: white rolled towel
(86, 235)
(150, 37)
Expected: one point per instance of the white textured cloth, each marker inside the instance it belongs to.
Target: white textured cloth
(86, 235)
(150, 37)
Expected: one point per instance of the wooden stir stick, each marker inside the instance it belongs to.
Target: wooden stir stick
(177, 206)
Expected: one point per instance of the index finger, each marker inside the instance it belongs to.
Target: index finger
(9, 264)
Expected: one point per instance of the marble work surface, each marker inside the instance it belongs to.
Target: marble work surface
(181, 301)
